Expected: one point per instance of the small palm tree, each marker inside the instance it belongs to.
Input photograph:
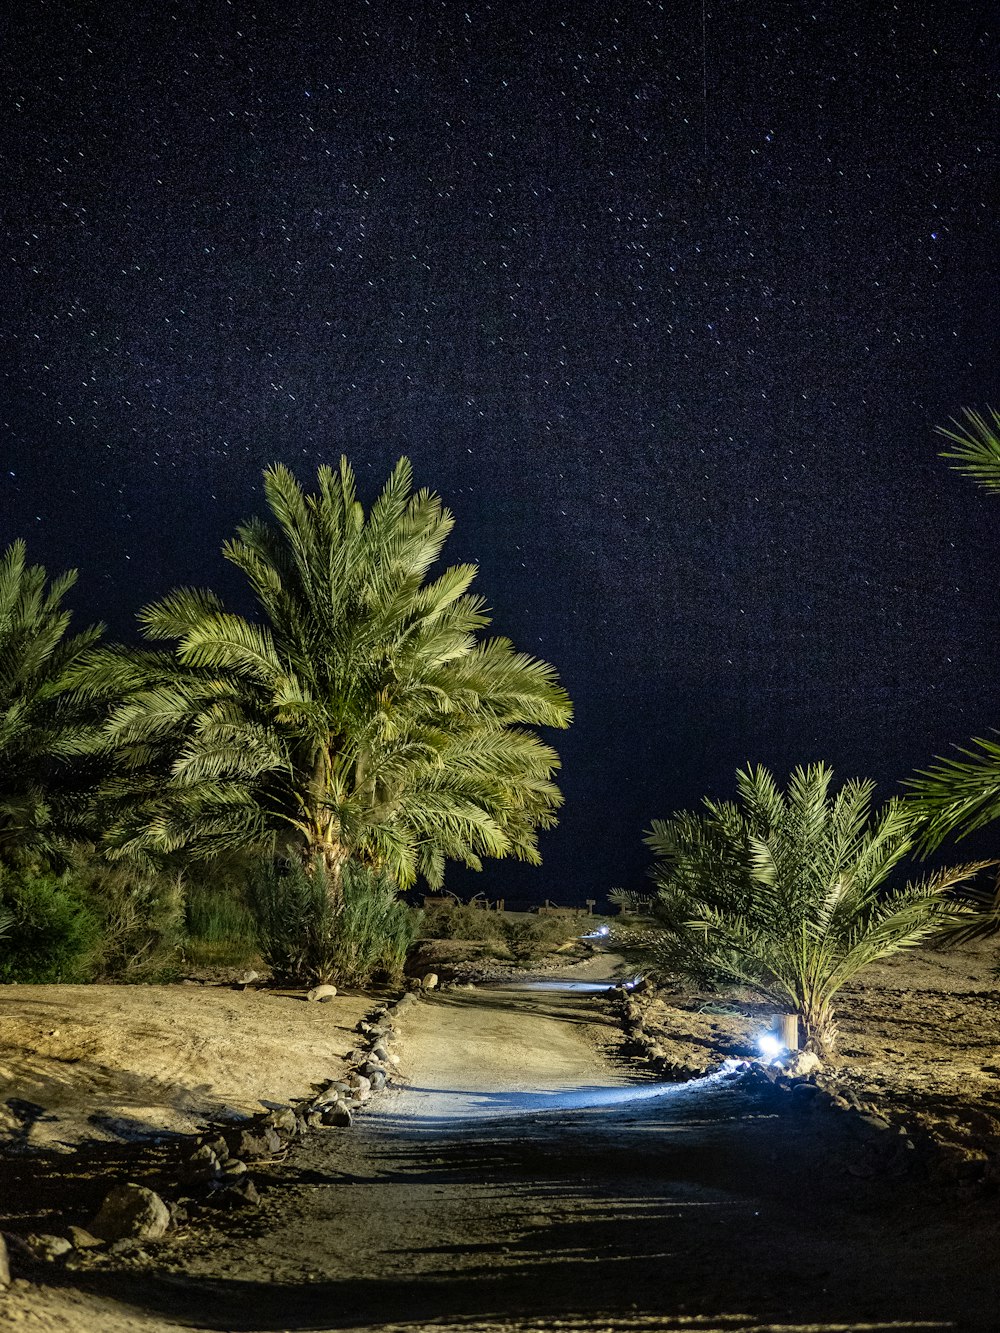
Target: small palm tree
(959, 795)
(44, 725)
(359, 715)
(785, 892)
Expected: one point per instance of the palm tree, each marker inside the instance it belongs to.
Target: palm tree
(361, 714)
(44, 725)
(785, 892)
(959, 795)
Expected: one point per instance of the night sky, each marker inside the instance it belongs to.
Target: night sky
(664, 300)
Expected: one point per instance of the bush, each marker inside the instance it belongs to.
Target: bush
(140, 918)
(459, 921)
(530, 938)
(221, 930)
(53, 934)
(306, 939)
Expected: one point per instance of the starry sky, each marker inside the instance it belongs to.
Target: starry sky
(664, 298)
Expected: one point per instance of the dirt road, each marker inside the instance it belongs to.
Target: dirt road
(522, 1180)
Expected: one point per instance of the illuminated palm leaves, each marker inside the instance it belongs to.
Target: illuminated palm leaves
(44, 727)
(785, 891)
(361, 714)
(959, 795)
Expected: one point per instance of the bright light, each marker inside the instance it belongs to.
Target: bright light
(770, 1046)
(604, 930)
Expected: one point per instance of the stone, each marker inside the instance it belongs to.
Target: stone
(378, 1079)
(218, 1145)
(322, 994)
(372, 1069)
(429, 980)
(338, 1115)
(43, 1246)
(800, 1064)
(247, 979)
(233, 1168)
(380, 1053)
(241, 1193)
(359, 1083)
(392, 1058)
(283, 1121)
(203, 1164)
(82, 1239)
(250, 1146)
(131, 1212)
(4, 1264)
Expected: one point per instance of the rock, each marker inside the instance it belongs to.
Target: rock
(371, 1069)
(218, 1145)
(4, 1264)
(82, 1239)
(233, 1168)
(46, 1247)
(322, 994)
(800, 1064)
(338, 1115)
(236, 1194)
(378, 1079)
(131, 1212)
(203, 1164)
(429, 980)
(247, 979)
(250, 1146)
(359, 1082)
(380, 1053)
(283, 1121)
(392, 1058)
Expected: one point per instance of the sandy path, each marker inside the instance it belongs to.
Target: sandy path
(561, 1198)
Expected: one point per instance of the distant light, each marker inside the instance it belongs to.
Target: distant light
(604, 930)
(770, 1046)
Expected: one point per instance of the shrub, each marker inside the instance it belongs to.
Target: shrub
(139, 914)
(530, 938)
(459, 921)
(221, 930)
(53, 934)
(306, 938)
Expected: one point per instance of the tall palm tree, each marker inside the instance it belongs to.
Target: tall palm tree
(785, 892)
(44, 725)
(360, 714)
(961, 794)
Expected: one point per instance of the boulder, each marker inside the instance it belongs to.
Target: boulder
(322, 994)
(801, 1064)
(131, 1212)
(251, 1146)
(380, 1053)
(339, 1116)
(429, 980)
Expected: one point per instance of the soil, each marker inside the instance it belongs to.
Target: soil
(528, 1175)
(117, 1063)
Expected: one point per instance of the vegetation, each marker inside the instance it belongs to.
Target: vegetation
(787, 892)
(53, 936)
(520, 936)
(46, 795)
(306, 937)
(362, 716)
(960, 795)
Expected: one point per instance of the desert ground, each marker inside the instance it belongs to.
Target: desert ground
(527, 1172)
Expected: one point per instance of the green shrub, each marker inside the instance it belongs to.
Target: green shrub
(53, 934)
(306, 938)
(140, 918)
(221, 930)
